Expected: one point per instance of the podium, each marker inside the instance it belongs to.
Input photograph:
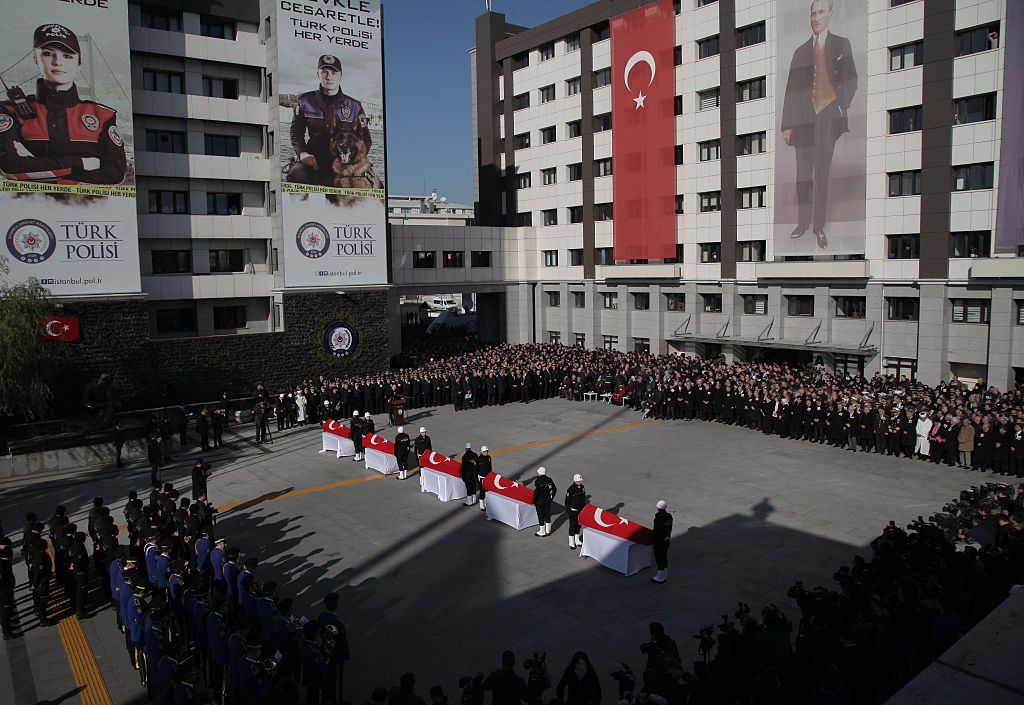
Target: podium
(396, 411)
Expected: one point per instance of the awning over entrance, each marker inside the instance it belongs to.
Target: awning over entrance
(847, 348)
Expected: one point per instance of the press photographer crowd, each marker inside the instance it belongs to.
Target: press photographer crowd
(201, 625)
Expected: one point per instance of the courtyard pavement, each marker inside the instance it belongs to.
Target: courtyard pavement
(433, 588)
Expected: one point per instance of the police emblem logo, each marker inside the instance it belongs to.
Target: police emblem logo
(312, 239)
(91, 122)
(115, 136)
(327, 59)
(6, 122)
(340, 339)
(31, 241)
(346, 112)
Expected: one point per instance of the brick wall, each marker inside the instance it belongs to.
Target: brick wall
(146, 372)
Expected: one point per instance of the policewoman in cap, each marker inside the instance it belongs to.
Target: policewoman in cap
(316, 115)
(54, 135)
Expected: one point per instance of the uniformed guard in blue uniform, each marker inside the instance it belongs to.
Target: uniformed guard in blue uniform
(339, 652)
(317, 114)
(252, 675)
(217, 651)
(314, 663)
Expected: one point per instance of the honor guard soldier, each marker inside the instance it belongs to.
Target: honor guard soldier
(200, 474)
(79, 558)
(54, 135)
(402, 446)
(184, 684)
(469, 476)
(355, 427)
(216, 635)
(252, 676)
(544, 491)
(483, 469)
(317, 116)
(368, 426)
(662, 536)
(422, 442)
(575, 500)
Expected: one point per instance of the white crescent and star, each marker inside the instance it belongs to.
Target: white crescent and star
(497, 483)
(433, 458)
(597, 518)
(64, 328)
(641, 57)
(374, 439)
(332, 425)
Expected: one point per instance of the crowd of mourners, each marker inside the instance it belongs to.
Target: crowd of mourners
(952, 423)
(199, 624)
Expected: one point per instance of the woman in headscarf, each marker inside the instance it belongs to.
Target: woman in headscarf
(579, 684)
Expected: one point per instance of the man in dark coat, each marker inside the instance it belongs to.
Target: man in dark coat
(662, 537)
(200, 472)
(543, 495)
(820, 87)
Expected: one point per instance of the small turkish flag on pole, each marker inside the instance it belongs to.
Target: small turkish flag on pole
(643, 133)
(63, 328)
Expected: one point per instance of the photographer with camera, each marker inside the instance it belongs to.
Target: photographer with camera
(661, 652)
(579, 684)
(537, 678)
(506, 686)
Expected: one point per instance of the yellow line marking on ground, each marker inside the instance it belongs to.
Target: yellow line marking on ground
(81, 659)
(577, 436)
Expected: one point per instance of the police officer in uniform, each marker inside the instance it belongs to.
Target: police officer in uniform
(317, 114)
(6, 590)
(54, 135)
(469, 474)
(543, 495)
(575, 500)
(402, 446)
(662, 536)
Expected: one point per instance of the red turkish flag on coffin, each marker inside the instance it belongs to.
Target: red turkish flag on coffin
(440, 463)
(336, 429)
(63, 328)
(594, 518)
(508, 488)
(374, 442)
(643, 133)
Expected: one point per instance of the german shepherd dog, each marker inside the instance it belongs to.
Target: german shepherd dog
(350, 147)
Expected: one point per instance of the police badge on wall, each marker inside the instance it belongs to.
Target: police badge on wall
(340, 339)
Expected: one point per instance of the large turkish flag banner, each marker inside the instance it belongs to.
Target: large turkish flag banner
(643, 133)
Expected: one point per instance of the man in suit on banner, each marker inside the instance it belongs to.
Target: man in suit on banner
(821, 84)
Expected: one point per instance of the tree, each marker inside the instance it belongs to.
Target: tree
(26, 359)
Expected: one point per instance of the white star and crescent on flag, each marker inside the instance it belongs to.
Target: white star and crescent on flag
(640, 57)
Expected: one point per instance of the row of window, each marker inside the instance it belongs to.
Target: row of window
(177, 203)
(180, 261)
(173, 142)
(968, 177)
(745, 37)
(183, 320)
(898, 308)
(962, 245)
(451, 259)
(975, 108)
(174, 82)
(170, 21)
(609, 342)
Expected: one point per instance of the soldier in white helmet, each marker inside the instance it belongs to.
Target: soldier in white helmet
(368, 426)
(483, 469)
(355, 426)
(469, 477)
(402, 446)
(662, 536)
(544, 491)
(575, 500)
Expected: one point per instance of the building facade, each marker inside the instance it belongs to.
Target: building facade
(927, 297)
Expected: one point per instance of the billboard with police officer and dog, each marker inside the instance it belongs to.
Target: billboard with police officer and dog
(331, 98)
(67, 177)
